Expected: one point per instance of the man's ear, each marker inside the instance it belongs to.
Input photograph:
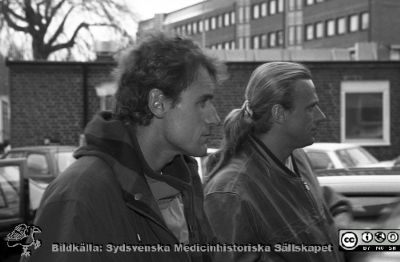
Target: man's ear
(278, 113)
(157, 102)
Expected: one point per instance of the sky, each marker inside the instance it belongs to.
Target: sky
(147, 8)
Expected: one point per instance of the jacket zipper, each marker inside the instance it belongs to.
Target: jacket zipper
(158, 223)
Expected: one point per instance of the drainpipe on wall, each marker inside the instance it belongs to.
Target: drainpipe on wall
(85, 96)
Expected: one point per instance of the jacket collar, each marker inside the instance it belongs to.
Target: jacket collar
(267, 154)
(116, 143)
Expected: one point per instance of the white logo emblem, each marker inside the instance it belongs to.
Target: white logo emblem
(349, 240)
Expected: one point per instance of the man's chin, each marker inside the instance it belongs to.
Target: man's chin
(199, 152)
(308, 142)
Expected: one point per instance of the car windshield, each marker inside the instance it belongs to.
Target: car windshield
(355, 157)
(64, 159)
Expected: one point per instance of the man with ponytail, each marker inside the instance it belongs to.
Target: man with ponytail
(262, 190)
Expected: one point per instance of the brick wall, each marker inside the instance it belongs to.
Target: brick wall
(48, 101)
(47, 98)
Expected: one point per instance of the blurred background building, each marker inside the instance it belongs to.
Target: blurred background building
(347, 29)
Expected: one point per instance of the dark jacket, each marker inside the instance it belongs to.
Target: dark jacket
(104, 199)
(255, 199)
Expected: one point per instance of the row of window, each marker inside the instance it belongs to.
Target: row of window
(264, 9)
(225, 45)
(210, 23)
(339, 26)
(270, 40)
(313, 2)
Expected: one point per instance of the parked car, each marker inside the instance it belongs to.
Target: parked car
(17, 194)
(44, 163)
(25, 172)
(375, 201)
(372, 196)
(341, 155)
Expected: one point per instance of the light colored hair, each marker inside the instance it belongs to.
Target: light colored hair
(269, 84)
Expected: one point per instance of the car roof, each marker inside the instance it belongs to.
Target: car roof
(329, 146)
(44, 148)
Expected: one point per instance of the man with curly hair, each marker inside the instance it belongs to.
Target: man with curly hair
(134, 193)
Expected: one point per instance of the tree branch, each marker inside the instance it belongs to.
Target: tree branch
(6, 12)
(60, 28)
(54, 10)
(70, 43)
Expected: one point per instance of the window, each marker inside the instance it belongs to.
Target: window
(354, 23)
(309, 32)
(206, 25)
(279, 38)
(227, 45)
(299, 4)
(292, 5)
(10, 196)
(219, 46)
(365, 109)
(189, 29)
(247, 42)
(256, 11)
(220, 21)
(213, 23)
(264, 9)
(233, 46)
(309, 2)
(233, 18)
(280, 6)
(320, 160)
(330, 27)
(241, 42)
(395, 52)
(256, 42)
(37, 164)
(364, 21)
(264, 43)
(241, 15)
(299, 34)
(227, 21)
(200, 25)
(178, 30)
(272, 39)
(247, 13)
(319, 30)
(64, 160)
(355, 157)
(292, 35)
(341, 23)
(272, 7)
(194, 27)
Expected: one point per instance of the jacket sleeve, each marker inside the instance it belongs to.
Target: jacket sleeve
(231, 219)
(62, 222)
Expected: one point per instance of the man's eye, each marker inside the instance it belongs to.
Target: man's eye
(203, 103)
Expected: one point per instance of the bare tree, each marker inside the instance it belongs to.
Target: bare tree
(54, 26)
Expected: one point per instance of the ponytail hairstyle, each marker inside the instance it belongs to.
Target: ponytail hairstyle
(269, 84)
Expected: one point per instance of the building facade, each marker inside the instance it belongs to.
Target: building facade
(360, 26)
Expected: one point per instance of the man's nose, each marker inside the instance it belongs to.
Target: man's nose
(212, 117)
(319, 115)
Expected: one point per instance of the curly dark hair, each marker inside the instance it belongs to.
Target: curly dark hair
(167, 63)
